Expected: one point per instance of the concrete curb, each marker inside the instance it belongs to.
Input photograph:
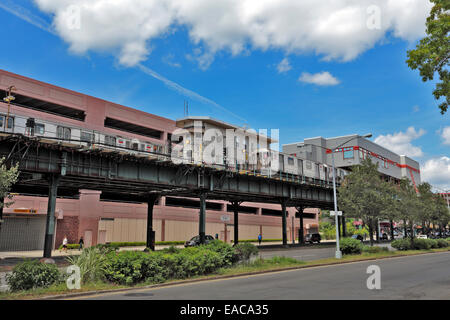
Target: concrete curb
(88, 293)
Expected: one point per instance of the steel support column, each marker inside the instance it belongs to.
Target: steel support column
(283, 213)
(50, 226)
(235, 205)
(150, 232)
(202, 218)
(301, 237)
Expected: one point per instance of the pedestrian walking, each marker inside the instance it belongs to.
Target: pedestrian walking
(64, 244)
(259, 238)
(81, 244)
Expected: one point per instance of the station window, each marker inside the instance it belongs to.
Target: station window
(10, 122)
(87, 137)
(291, 161)
(63, 133)
(39, 128)
(110, 141)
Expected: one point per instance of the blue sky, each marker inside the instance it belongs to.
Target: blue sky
(370, 91)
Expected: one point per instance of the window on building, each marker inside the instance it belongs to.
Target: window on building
(348, 154)
(63, 133)
(308, 165)
(110, 140)
(39, 128)
(86, 137)
(290, 161)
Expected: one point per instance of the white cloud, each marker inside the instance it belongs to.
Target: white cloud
(400, 142)
(446, 135)
(333, 29)
(436, 171)
(284, 66)
(321, 79)
(416, 108)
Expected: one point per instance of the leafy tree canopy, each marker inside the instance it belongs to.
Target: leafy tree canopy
(432, 54)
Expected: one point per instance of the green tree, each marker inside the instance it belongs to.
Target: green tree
(364, 195)
(7, 178)
(432, 54)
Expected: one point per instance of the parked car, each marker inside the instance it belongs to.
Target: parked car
(313, 237)
(358, 237)
(195, 241)
(422, 236)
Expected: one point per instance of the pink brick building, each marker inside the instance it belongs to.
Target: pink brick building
(101, 220)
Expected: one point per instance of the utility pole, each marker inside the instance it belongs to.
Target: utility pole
(8, 99)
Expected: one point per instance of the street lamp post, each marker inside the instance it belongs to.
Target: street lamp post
(338, 254)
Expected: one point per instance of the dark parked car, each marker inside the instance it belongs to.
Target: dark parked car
(357, 237)
(195, 241)
(312, 237)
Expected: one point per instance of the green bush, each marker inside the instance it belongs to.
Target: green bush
(70, 246)
(91, 263)
(433, 243)
(442, 243)
(422, 244)
(226, 251)
(33, 274)
(375, 249)
(351, 246)
(243, 251)
(401, 244)
(131, 267)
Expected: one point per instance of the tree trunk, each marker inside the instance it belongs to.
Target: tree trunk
(377, 234)
(371, 232)
(405, 229)
(392, 229)
(411, 225)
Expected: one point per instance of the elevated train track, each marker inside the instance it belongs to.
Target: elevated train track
(56, 167)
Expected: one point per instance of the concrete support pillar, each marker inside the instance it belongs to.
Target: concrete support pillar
(235, 205)
(283, 217)
(202, 218)
(152, 199)
(50, 226)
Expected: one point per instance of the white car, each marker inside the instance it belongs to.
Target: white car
(422, 236)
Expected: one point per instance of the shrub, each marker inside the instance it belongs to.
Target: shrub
(130, 267)
(33, 274)
(351, 246)
(226, 251)
(422, 244)
(243, 251)
(125, 267)
(401, 244)
(171, 249)
(70, 246)
(375, 249)
(442, 243)
(91, 263)
(433, 243)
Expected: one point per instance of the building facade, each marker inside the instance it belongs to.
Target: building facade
(93, 216)
(353, 149)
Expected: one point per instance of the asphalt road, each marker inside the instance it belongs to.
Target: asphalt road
(308, 253)
(415, 277)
